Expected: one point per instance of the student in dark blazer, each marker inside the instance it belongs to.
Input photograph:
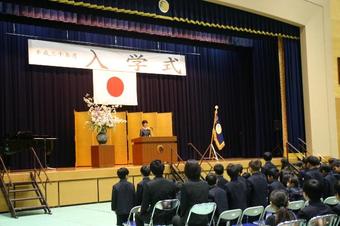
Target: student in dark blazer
(293, 189)
(330, 180)
(216, 194)
(257, 186)
(273, 175)
(193, 191)
(336, 208)
(236, 189)
(219, 170)
(267, 156)
(313, 172)
(145, 171)
(155, 190)
(123, 196)
(312, 191)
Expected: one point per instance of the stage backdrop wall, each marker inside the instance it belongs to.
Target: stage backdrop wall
(243, 81)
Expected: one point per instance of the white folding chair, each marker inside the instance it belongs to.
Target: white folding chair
(300, 222)
(268, 209)
(164, 206)
(132, 213)
(296, 205)
(325, 220)
(203, 209)
(332, 201)
(229, 215)
(251, 212)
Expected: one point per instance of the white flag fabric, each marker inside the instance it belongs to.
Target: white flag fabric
(111, 87)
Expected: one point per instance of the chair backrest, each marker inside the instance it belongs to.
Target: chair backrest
(202, 209)
(268, 209)
(325, 220)
(300, 222)
(296, 205)
(132, 213)
(252, 212)
(332, 200)
(229, 215)
(165, 205)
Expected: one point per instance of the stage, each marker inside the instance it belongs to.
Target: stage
(80, 185)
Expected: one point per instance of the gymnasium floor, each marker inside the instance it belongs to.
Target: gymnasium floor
(82, 215)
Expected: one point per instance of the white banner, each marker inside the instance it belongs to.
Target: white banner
(98, 58)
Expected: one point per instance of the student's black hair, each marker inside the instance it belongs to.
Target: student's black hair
(255, 165)
(279, 198)
(157, 168)
(273, 172)
(267, 156)
(145, 171)
(313, 189)
(325, 168)
(239, 168)
(219, 168)
(233, 171)
(246, 175)
(144, 121)
(122, 172)
(294, 180)
(211, 179)
(331, 160)
(313, 160)
(192, 170)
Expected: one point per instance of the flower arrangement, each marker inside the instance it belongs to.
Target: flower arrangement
(102, 116)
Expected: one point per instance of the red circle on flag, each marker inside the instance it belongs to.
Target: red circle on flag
(115, 86)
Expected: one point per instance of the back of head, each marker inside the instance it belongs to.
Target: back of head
(331, 160)
(313, 189)
(192, 170)
(233, 171)
(255, 165)
(279, 199)
(219, 169)
(267, 156)
(313, 160)
(211, 179)
(239, 168)
(273, 172)
(145, 171)
(246, 175)
(294, 181)
(122, 172)
(157, 168)
(324, 168)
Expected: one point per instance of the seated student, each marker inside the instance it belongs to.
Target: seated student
(336, 208)
(193, 191)
(330, 180)
(273, 182)
(257, 186)
(216, 194)
(145, 171)
(279, 202)
(293, 189)
(221, 181)
(336, 169)
(123, 196)
(155, 190)
(312, 191)
(236, 189)
(267, 156)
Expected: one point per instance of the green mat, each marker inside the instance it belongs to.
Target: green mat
(98, 214)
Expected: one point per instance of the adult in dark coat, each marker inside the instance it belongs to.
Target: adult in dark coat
(216, 194)
(123, 197)
(194, 191)
(257, 186)
(155, 190)
(145, 171)
(236, 189)
(312, 191)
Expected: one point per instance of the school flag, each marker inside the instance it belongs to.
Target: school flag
(217, 131)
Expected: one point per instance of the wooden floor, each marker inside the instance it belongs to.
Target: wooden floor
(71, 186)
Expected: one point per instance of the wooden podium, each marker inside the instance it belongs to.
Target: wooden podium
(103, 155)
(147, 149)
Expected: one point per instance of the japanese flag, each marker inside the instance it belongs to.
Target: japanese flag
(111, 87)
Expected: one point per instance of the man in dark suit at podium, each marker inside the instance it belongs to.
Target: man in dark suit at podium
(155, 190)
(145, 131)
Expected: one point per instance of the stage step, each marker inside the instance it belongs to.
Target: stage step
(25, 199)
(43, 207)
(22, 190)
(22, 183)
